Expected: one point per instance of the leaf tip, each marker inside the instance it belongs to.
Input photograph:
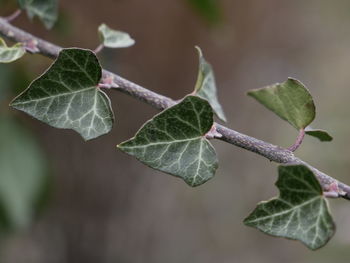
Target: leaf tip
(250, 93)
(293, 81)
(199, 50)
(102, 25)
(223, 117)
(14, 102)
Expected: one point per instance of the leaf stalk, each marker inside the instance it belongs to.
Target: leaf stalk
(99, 48)
(13, 16)
(298, 141)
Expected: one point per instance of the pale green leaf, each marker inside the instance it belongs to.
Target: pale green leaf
(67, 95)
(46, 10)
(10, 54)
(322, 135)
(206, 86)
(290, 100)
(174, 142)
(114, 39)
(300, 211)
(23, 174)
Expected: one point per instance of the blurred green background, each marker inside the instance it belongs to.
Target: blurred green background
(101, 205)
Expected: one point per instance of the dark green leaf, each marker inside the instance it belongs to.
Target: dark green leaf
(209, 9)
(174, 142)
(300, 212)
(290, 100)
(114, 39)
(322, 135)
(22, 176)
(206, 87)
(46, 10)
(67, 95)
(10, 54)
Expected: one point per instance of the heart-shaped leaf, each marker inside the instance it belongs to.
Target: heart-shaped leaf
(114, 39)
(322, 135)
(300, 212)
(67, 95)
(10, 54)
(174, 142)
(23, 174)
(46, 10)
(290, 100)
(206, 87)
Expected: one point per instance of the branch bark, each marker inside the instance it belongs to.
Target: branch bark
(265, 149)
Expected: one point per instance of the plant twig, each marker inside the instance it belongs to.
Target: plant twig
(265, 149)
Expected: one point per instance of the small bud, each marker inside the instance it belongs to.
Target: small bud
(333, 191)
(31, 46)
(107, 82)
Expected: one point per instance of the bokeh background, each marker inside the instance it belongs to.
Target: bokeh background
(101, 205)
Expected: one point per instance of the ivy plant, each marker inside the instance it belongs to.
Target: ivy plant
(69, 95)
(299, 212)
(291, 101)
(175, 142)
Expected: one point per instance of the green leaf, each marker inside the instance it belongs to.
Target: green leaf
(290, 100)
(300, 212)
(206, 87)
(67, 95)
(23, 174)
(114, 39)
(209, 9)
(10, 54)
(322, 135)
(46, 10)
(174, 142)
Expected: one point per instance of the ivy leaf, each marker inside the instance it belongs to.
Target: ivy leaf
(23, 174)
(290, 100)
(114, 39)
(174, 142)
(206, 87)
(10, 54)
(300, 212)
(67, 95)
(322, 135)
(46, 10)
